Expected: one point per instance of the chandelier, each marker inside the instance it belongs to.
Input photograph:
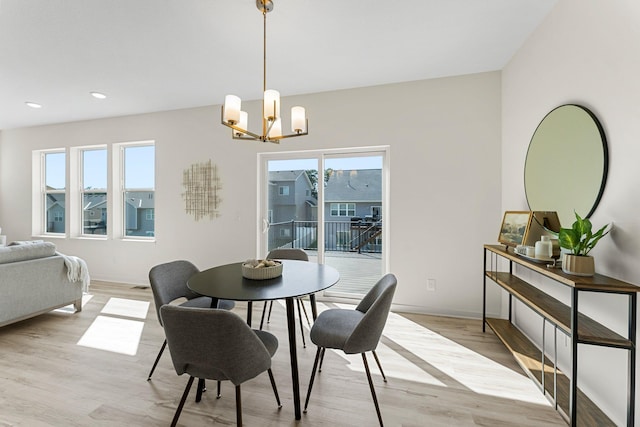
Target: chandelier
(236, 119)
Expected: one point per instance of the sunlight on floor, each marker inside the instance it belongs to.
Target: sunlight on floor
(126, 308)
(448, 360)
(114, 333)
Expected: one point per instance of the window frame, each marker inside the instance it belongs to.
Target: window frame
(80, 151)
(39, 213)
(120, 190)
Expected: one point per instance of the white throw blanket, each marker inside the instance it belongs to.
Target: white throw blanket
(77, 270)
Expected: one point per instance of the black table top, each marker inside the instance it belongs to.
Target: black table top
(298, 278)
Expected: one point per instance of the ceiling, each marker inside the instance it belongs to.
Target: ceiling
(155, 55)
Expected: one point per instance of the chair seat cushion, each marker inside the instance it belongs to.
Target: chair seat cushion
(269, 340)
(332, 327)
(200, 302)
(205, 302)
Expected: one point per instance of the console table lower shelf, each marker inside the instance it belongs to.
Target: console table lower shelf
(529, 357)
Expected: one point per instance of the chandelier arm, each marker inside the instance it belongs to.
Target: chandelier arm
(269, 124)
(291, 135)
(253, 136)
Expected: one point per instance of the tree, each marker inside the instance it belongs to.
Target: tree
(312, 174)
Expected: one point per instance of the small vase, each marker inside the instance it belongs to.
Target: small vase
(578, 265)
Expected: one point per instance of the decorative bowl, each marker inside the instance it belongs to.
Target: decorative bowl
(260, 271)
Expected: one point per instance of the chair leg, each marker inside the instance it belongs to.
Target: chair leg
(269, 315)
(305, 311)
(238, 406)
(264, 310)
(219, 395)
(304, 344)
(201, 389)
(375, 356)
(373, 391)
(321, 360)
(313, 375)
(181, 405)
(273, 386)
(164, 344)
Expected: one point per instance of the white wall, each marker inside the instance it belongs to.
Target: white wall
(586, 52)
(444, 136)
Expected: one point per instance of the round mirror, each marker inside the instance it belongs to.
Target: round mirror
(566, 165)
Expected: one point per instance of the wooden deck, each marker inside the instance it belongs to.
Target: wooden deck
(358, 272)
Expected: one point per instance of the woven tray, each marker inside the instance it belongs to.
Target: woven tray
(262, 273)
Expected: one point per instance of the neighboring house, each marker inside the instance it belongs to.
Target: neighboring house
(55, 213)
(140, 213)
(353, 210)
(291, 197)
(95, 213)
(353, 194)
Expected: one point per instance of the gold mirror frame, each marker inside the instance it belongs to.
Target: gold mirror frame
(567, 163)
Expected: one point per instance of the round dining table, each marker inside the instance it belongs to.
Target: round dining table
(299, 278)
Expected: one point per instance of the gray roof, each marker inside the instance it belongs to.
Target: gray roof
(140, 199)
(285, 175)
(361, 185)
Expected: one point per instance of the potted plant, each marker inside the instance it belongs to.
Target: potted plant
(579, 240)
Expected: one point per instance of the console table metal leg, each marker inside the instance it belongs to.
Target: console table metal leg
(631, 382)
(573, 391)
(484, 292)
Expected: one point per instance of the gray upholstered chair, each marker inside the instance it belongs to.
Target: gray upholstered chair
(169, 283)
(294, 254)
(355, 331)
(217, 345)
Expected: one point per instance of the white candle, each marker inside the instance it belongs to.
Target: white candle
(298, 120)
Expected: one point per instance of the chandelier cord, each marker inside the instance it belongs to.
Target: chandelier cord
(264, 64)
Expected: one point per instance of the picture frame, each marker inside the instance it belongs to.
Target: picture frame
(514, 228)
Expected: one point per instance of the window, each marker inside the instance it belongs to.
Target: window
(343, 209)
(54, 193)
(138, 189)
(93, 193)
(283, 190)
(75, 195)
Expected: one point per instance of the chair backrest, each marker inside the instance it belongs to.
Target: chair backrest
(288, 253)
(169, 282)
(213, 344)
(375, 305)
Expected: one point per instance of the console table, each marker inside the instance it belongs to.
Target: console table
(561, 389)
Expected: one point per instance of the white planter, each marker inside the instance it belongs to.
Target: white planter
(578, 265)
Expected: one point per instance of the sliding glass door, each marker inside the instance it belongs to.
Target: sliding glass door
(330, 204)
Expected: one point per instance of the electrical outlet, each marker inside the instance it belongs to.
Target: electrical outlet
(431, 285)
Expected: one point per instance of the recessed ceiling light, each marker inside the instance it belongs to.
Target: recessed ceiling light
(33, 104)
(98, 95)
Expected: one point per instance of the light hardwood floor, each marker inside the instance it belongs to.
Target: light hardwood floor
(441, 372)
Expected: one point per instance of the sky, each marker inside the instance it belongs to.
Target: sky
(139, 168)
(344, 163)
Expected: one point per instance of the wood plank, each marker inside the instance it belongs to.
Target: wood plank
(557, 312)
(49, 380)
(529, 357)
(596, 283)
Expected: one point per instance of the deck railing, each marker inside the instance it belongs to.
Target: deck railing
(342, 236)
